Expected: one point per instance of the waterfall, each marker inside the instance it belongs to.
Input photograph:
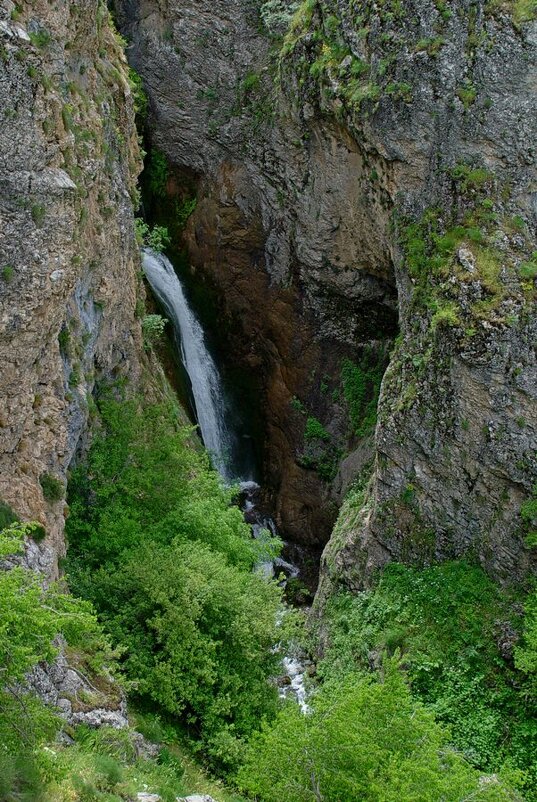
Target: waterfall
(207, 390)
(220, 439)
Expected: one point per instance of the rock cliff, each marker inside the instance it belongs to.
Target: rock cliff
(358, 164)
(69, 269)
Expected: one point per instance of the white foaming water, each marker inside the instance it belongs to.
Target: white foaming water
(295, 671)
(207, 390)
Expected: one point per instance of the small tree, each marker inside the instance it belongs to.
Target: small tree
(365, 740)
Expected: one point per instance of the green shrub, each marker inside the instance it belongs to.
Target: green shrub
(444, 620)
(361, 388)
(152, 328)
(7, 273)
(156, 546)
(446, 314)
(141, 101)
(471, 178)
(64, 340)
(40, 38)
(7, 516)
(528, 513)
(364, 740)
(183, 210)
(30, 619)
(53, 488)
(155, 237)
(38, 213)
(157, 170)
(528, 270)
(467, 94)
(109, 772)
(315, 430)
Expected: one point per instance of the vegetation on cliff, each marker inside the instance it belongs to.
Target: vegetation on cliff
(155, 544)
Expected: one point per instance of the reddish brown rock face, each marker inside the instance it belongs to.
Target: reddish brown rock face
(266, 332)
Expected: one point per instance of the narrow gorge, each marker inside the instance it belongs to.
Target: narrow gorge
(268, 387)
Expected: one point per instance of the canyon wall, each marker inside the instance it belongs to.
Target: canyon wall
(355, 165)
(69, 264)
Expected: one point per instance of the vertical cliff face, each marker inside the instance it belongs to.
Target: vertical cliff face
(68, 260)
(289, 229)
(356, 164)
(446, 95)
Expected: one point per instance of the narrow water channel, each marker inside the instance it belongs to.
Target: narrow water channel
(214, 417)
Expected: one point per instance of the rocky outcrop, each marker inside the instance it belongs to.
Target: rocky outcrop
(455, 441)
(63, 686)
(68, 261)
(384, 158)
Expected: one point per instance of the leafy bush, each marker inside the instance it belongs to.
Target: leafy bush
(315, 430)
(157, 169)
(183, 210)
(53, 488)
(30, 619)
(444, 620)
(38, 213)
(152, 329)
(365, 740)
(528, 270)
(528, 513)
(7, 273)
(156, 237)
(361, 388)
(7, 516)
(141, 101)
(156, 546)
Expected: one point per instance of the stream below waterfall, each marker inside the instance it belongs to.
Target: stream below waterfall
(213, 413)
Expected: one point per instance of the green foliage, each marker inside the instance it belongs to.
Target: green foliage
(361, 388)
(431, 247)
(471, 178)
(444, 620)
(40, 38)
(155, 544)
(446, 314)
(528, 270)
(64, 340)
(155, 237)
(7, 273)
(297, 405)
(525, 11)
(38, 213)
(157, 170)
(526, 651)
(152, 329)
(365, 740)
(467, 94)
(141, 101)
(528, 513)
(183, 210)
(30, 619)
(7, 516)
(315, 430)
(53, 489)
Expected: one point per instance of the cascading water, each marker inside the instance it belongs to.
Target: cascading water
(207, 390)
(213, 416)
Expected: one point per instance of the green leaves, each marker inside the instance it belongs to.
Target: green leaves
(30, 619)
(366, 740)
(156, 545)
(447, 621)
